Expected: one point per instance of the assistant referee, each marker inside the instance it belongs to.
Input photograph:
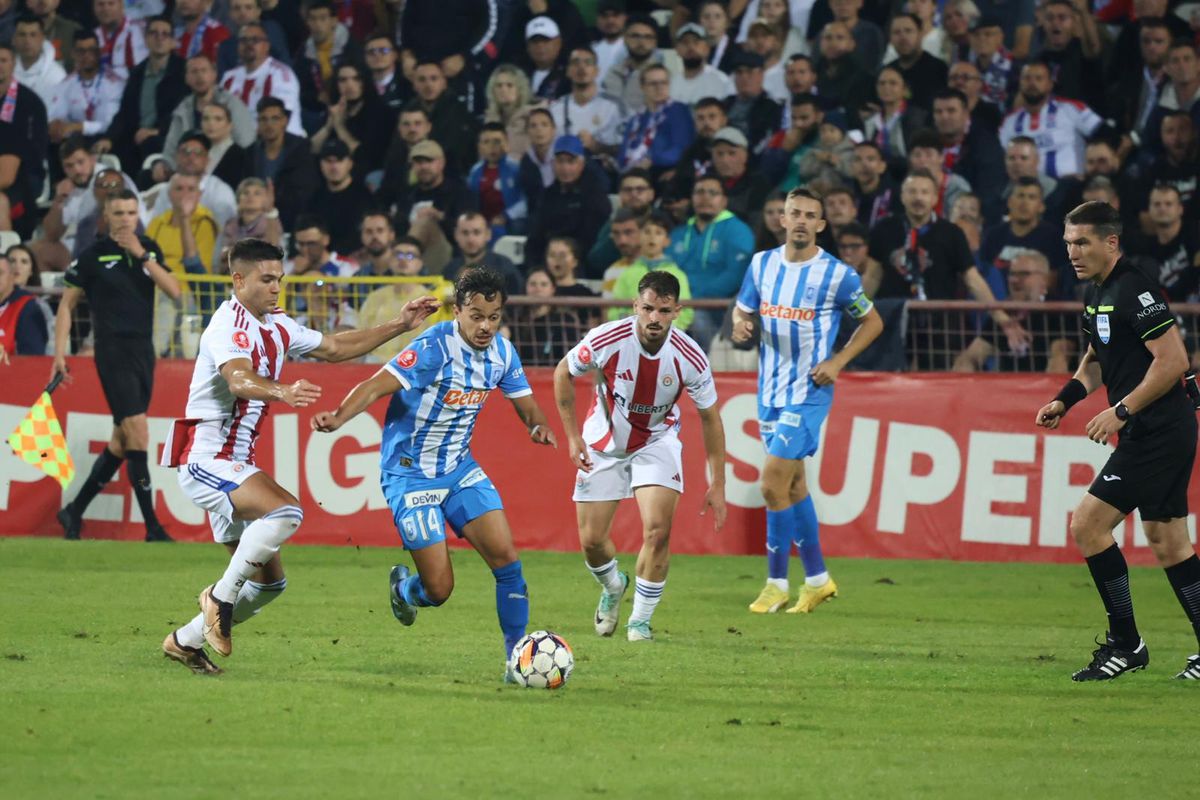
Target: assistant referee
(118, 275)
(1136, 351)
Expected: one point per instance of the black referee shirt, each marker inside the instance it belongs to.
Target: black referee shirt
(118, 287)
(1120, 316)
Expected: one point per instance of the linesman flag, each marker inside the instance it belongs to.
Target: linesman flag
(39, 440)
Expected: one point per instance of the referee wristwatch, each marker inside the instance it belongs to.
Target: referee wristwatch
(1121, 411)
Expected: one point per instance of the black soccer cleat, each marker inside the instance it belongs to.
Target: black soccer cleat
(71, 523)
(1110, 661)
(158, 534)
(1191, 672)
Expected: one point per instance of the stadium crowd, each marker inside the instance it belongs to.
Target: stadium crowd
(408, 137)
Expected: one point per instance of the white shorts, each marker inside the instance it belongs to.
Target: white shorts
(615, 477)
(208, 484)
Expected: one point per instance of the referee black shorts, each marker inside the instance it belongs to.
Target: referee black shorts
(126, 370)
(1150, 474)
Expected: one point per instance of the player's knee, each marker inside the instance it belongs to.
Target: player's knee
(438, 591)
(135, 433)
(775, 495)
(657, 536)
(285, 521)
(1082, 530)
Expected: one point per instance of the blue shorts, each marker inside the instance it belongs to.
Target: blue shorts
(793, 432)
(422, 506)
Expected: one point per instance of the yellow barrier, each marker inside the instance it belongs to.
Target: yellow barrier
(324, 303)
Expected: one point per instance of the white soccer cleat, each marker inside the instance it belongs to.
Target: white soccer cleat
(609, 609)
(639, 631)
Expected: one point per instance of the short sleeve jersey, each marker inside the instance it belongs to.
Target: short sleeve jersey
(119, 288)
(444, 384)
(800, 308)
(1120, 316)
(637, 391)
(229, 426)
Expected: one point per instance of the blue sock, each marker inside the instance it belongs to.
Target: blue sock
(413, 592)
(779, 543)
(808, 538)
(512, 604)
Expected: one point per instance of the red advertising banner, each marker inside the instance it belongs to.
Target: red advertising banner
(911, 466)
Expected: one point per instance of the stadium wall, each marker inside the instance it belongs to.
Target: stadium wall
(912, 466)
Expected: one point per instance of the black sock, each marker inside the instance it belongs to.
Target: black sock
(1185, 580)
(1111, 576)
(139, 477)
(102, 471)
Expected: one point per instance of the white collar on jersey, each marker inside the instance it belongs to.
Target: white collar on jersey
(783, 249)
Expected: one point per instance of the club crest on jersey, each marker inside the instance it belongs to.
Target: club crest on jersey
(668, 380)
(1102, 327)
(810, 295)
(407, 359)
(585, 354)
(241, 339)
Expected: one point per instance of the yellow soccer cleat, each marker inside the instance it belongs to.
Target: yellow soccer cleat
(813, 596)
(769, 600)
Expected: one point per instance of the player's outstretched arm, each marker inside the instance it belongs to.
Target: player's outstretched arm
(1087, 376)
(247, 384)
(354, 344)
(564, 400)
(379, 385)
(531, 414)
(868, 330)
(714, 445)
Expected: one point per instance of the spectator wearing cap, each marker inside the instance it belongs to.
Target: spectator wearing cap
(607, 42)
(472, 239)
(635, 194)
(996, 65)
(454, 127)
(258, 74)
(201, 78)
(340, 199)
(623, 81)
(751, 110)
(923, 73)
(284, 159)
(746, 189)
(868, 38)
(839, 75)
(656, 137)
(564, 13)
(971, 151)
(699, 79)
(544, 59)
(713, 248)
(429, 210)
(191, 158)
(493, 181)
(155, 87)
(585, 112)
(575, 205)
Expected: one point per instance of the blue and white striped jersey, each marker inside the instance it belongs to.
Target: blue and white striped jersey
(800, 308)
(446, 382)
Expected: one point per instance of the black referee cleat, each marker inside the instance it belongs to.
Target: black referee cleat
(1110, 661)
(1191, 672)
(157, 535)
(71, 523)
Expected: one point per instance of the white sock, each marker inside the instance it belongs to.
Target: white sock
(818, 580)
(607, 575)
(645, 599)
(779, 583)
(259, 543)
(250, 600)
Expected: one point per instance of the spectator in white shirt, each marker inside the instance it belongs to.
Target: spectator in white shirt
(191, 158)
(36, 68)
(261, 76)
(610, 24)
(122, 40)
(586, 113)
(699, 79)
(88, 99)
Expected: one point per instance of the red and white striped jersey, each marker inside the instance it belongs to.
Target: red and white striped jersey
(636, 392)
(223, 426)
(273, 78)
(122, 49)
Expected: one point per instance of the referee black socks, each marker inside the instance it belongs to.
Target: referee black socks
(102, 472)
(1111, 576)
(1185, 580)
(139, 477)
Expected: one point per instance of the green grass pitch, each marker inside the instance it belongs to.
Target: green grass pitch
(922, 680)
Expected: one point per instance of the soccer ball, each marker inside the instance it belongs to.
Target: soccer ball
(542, 660)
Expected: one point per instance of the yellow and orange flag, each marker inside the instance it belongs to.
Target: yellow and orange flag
(39, 441)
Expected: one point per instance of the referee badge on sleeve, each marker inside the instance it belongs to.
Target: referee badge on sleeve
(1103, 328)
